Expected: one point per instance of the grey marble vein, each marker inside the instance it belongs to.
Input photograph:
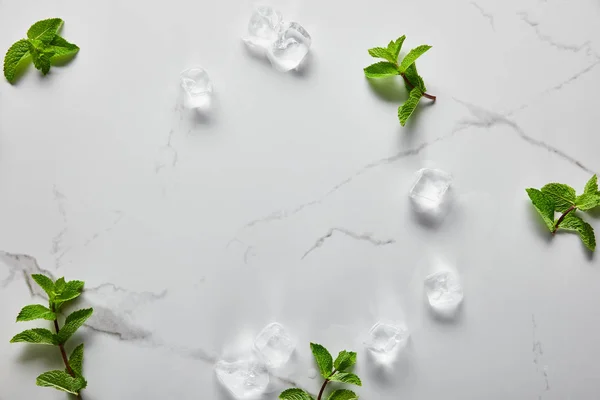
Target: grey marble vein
(538, 353)
(485, 14)
(367, 237)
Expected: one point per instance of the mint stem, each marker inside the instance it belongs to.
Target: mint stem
(562, 217)
(63, 353)
(429, 96)
(325, 385)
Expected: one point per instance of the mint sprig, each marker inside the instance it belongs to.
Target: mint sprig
(406, 68)
(560, 198)
(44, 46)
(70, 380)
(332, 371)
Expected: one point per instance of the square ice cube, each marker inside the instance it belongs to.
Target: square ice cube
(444, 292)
(386, 340)
(274, 345)
(429, 192)
(263, 28)
(290, 48)
(197, 87)
(245, 379)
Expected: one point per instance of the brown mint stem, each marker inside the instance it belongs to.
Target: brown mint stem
(63, 353)
(562, 217)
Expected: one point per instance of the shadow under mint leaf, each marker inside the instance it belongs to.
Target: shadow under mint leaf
(390, 89)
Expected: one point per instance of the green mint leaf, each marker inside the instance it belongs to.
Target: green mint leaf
(587, 201)
(413, 77)
(14, 59)
(406, 109)
(59, 285)
(35, 311)
(41, 57)
(71, 290)
(36, 335)
(45, 283)
(343, 394)
(412, 56)
(380, 52)
(344, 360)
(573, 223)
(76, 360)
(394, 47)
(323, 359)
(591, 186)
(295, 394)
(562, 195)
(345, 377)
(45, 30)
(381, 70)
(62, 49)
(544, 206)
(72, 323)
(62, 381)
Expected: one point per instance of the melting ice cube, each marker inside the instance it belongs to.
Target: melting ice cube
(429, 193)
(444, 292)
(386, 340)
(197, 87)
(246, 379)
(274, 345)
(263, 28)
(290, 48)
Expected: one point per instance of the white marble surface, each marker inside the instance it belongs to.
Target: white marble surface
(290, 202)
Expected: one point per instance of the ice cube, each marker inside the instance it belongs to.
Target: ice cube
(290, 48)
(263, 28)
(274, 345)
(429, 193)
(444, 292)
(245, 379)
(197, 88)
(386, 339)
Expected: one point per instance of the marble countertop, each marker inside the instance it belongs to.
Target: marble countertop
(290, 201)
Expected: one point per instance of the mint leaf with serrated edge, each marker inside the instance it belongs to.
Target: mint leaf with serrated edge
(71, 290)
(59, 285)
(62, 381)
(562, 195)
(45, 283)
(394, 47)
(587, 201)
(76, 360)
(409, 106)
(381, 52)
(572, 222)
(346, 377)
(343, 394)
(73, 322)
(323, 359)
(45, 30)
(35, 311)
(295, 394)
(414, 80)
(35, 335)
(592, 185)
(381, 70)
(344, 360)
(412, 56)
(62, 49)
(544, 206)
(15, 57)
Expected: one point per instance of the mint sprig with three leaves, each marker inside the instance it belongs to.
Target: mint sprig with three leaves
(333, 371)
(406, 68)
(44, 46)
(560, 198)
(70, 379)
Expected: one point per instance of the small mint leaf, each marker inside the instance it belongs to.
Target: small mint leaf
(412, 56)
(413, 77)
(380, 52)
(343, 394)
(406, 109)
(62, 49)
(35, 335)
(323, 359)
(14, 59)
(381, 70)
(45, 30)
(71, 290)
(591, 187)
(76, 360)
(62, 381)
(45, 283)
(295, 394)
(344, 360)
(59, 285)
(345, 377)
(394, 47)
(562, 195)
(587, 201)
(72, 323)
(572, 222)
(544, 206)
(40, 55)
(35, 311)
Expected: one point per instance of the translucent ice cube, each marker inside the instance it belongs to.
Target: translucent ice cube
(429, 193)
(263, 28)
(386, 340)
(444, 292)
(290, 48)
(197, 87)
(246, 379)
(274, 345)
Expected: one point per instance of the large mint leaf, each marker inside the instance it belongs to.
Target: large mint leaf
(76, 360)
(62, 381)
(62, 49)
(394, 47)
(573, 223)
(412, 56)
(35, 311)
(544, 206)
(587, 201)
(345, 377)
(591, 187)
(381, 52)
(45, 283)
(409, 106)
(295, 394)
(323, 359)
(344, 360)
(381, 70)
(73, 322)
(35, 335)
(15, 58)
(562, 195)
(45, 30)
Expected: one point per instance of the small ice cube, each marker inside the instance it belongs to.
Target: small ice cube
(386, 340)
(263, 28)
(429, 193)
(444, 292)
(197, 87)
(274, 345)
(290, 48)
(245, 379)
